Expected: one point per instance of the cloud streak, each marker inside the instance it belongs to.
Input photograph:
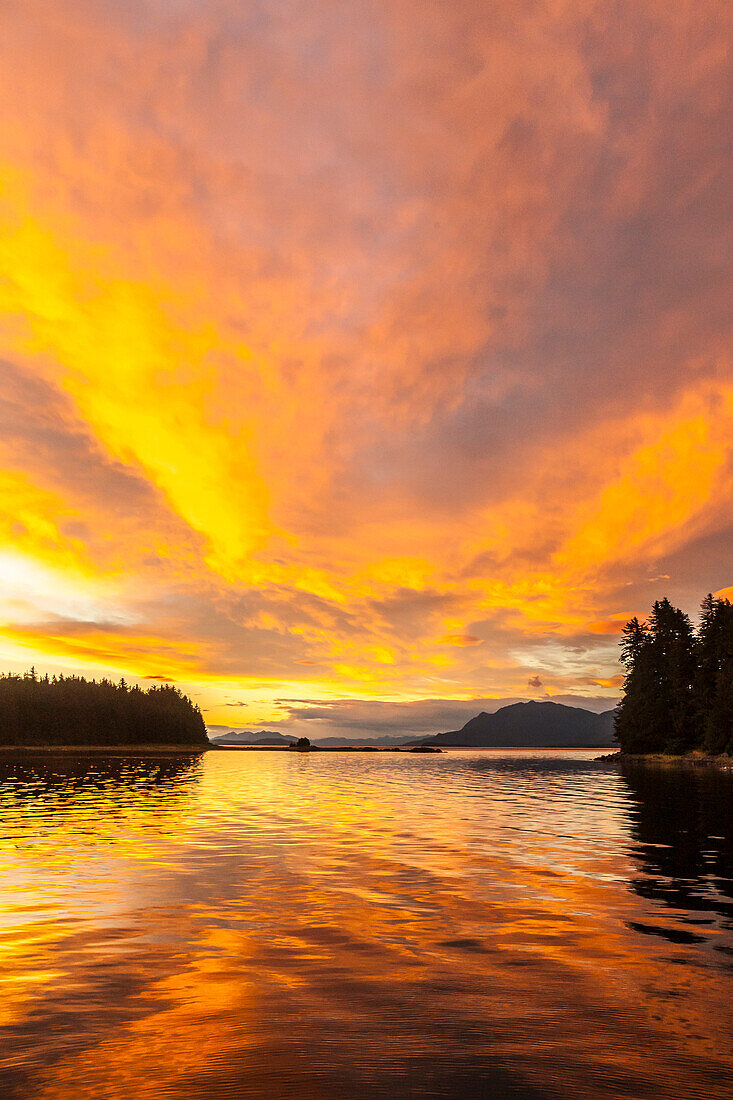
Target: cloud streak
(376, 350)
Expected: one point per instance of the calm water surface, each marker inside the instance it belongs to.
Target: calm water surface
(267, 924)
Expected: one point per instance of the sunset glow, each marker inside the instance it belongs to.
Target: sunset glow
(360, 355)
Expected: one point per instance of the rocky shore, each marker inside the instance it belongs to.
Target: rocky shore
(687, 760)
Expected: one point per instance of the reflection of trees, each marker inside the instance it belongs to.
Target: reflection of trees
(59, 779)
(683, 826)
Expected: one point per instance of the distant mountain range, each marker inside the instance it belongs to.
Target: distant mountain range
(246, 737)
(532, 725)
(271, 737)
(518, 726)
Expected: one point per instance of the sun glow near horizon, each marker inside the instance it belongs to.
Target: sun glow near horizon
(333, 364)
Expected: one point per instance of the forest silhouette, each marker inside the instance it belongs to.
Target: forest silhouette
(678, 690)
(70, 710)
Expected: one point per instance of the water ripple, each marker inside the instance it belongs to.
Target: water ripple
(527, 924)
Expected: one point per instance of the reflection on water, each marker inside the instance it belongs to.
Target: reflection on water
(683, 822)
(265, 924)
(63, 776)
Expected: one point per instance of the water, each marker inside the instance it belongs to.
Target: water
(527, 924)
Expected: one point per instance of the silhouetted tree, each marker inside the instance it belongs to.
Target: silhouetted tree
(678, 691)
(635, 721)
(69, 710)
(714, 679)
(672, 648)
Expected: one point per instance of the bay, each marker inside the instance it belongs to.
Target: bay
(475, 923)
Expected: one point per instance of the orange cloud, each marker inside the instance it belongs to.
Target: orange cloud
(614, 625)
(314, 368)
(612, 681)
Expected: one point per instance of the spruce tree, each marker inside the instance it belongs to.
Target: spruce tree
(714, 679)
(70, 710)
(674, 664)
(631, 718)
(657, 712)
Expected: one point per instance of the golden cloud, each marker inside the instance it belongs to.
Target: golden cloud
(321, 371)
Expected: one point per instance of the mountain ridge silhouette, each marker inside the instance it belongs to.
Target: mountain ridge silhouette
(532, 724)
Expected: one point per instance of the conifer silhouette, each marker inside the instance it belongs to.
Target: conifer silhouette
(70, 710)
(678, 691)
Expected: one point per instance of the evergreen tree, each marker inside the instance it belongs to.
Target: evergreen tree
(714, 679)
(70, 710)
(657, 712)
(632, 717)
(673, 659)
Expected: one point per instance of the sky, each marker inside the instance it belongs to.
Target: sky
(361, 365)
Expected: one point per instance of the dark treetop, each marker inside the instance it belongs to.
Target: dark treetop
(69, 710)
(678, 691)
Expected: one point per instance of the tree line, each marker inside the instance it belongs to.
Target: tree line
(69, 710)
(678, 689)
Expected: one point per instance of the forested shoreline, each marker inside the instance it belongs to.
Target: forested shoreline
(678, 690)
(65, 711)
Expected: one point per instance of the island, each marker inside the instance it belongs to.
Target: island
(70, 712)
